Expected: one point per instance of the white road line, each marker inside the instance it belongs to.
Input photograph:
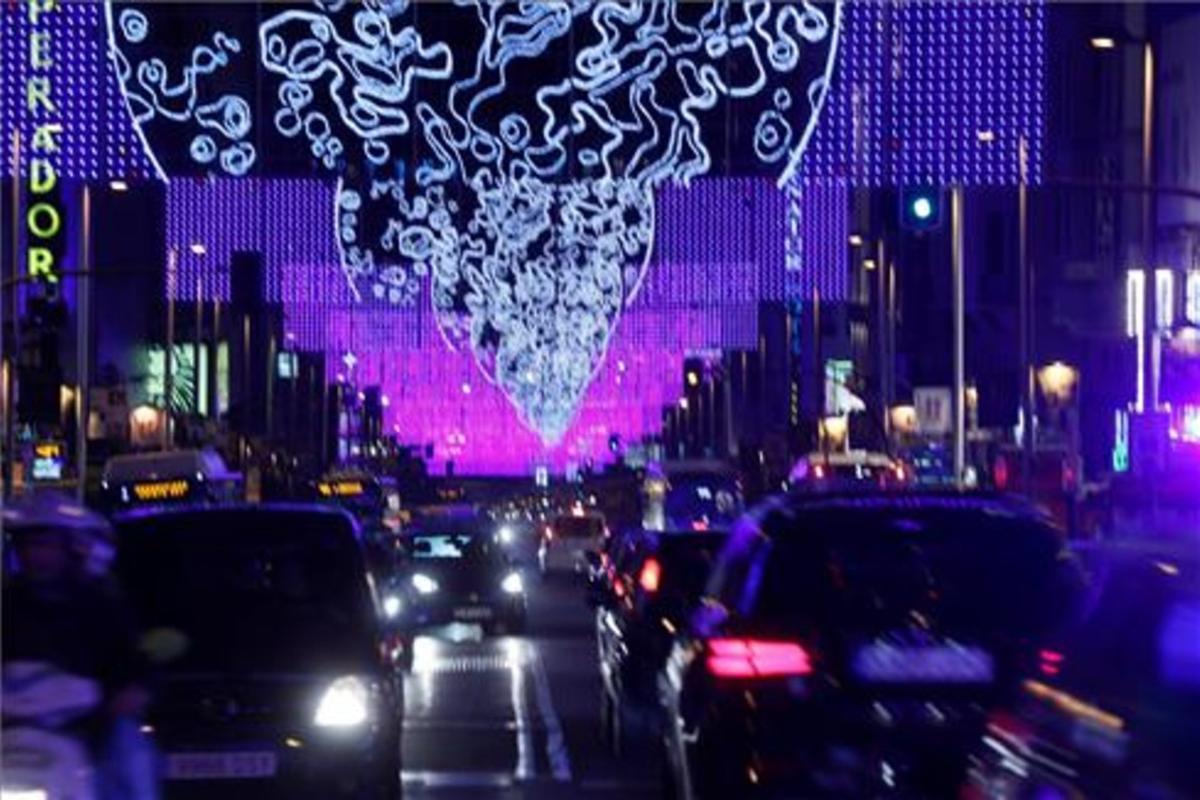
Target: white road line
(556, 745)
(526, 768)
(472, 780)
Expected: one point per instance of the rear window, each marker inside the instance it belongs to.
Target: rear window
(454, 548)
(969, 571)
(710, 500)
(251, 587)
(578, 527)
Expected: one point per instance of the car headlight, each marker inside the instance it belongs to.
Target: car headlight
(506, 534)
(16, 793)
(424, 584)
(512, 583)
(392, 606)
(344, 704)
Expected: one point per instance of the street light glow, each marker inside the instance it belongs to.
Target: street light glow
(118, 186)
(855, 240)
(1103, 42)
(986, 136)
(198, 248)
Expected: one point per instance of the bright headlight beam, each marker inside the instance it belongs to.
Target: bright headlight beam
(424, 584)
(391, 606)
(506, 534)
(512, 583)
(343, 705)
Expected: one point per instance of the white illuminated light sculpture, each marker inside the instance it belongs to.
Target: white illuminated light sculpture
(518, 183)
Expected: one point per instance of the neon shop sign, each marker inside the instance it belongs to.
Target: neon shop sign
(44, 217)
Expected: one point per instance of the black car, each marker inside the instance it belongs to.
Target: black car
(458, 570)
(278, 677)
(649, 582)
(850, 645)
(1114, 711)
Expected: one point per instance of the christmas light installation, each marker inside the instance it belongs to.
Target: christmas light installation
(719, 252)
(97, 141)
(519, 182)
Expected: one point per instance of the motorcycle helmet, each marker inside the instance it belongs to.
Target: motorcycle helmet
(89, 535)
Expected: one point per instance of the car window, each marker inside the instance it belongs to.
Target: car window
(454, 547)
(972, 571)
(257, 587)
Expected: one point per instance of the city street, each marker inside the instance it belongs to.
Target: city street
(511, 717)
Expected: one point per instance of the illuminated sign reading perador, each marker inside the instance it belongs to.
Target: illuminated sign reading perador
(44, 217)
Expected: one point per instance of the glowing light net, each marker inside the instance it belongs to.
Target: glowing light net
(519, 181)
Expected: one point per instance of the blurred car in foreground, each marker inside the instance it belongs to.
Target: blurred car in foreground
(651, 582)
(567, 540)
(827, 472)
(278, 679)
(458, 571)
(1115, 710)
(847, 645)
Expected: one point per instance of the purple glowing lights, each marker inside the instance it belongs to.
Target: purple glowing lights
(713, 264)
(98, 141)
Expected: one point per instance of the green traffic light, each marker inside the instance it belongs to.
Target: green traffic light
(922, 208)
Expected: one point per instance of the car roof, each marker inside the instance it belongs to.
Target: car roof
(910, 500)
(839, 458)
(166, 464)
(166, 513)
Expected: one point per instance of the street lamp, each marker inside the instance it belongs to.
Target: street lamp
(1058, 381)
(1149, 358)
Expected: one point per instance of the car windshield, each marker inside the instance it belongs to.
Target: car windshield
(249, 591)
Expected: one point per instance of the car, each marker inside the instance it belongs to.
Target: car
(168, 478)
(848, 644)
(520, 540)
(278, 672)
(1114, 709)
(457, 570)
(567, 540)
(690, 495)
(651, 581)
(833, 471)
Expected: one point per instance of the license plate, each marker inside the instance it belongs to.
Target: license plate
(210, 766)
(477, 612)
(954, 664)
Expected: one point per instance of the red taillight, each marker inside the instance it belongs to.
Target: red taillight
(699, 524)
(650, 576)
(756, 658)
(1050, 662)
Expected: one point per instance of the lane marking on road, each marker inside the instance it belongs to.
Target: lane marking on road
(556, 745)
(526, 767)
(439, 724)
(457, 779)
